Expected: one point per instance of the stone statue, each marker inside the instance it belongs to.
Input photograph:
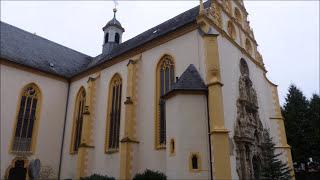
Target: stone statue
(34, 169)
(248, 128)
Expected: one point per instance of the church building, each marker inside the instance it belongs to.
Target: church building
(188, 98)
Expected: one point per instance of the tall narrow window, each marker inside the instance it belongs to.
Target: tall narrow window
(106, 38)
(78, 120)
(27, 118)
(165, 79)
(113, 116)
(194, 162)
(117, 38)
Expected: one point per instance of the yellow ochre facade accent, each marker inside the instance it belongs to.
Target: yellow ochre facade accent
(86, 139)
(283, 144)
(219, 134)
(129, 139)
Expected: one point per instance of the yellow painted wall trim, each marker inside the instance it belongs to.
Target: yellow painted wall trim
(219, 131)
(205, 24)
(129, 139)
(87, 128)
(283, 144)
(219, 134)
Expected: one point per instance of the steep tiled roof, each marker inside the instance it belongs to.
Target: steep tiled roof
(151, 34)
(30, 50)
(33, 51)
(190, 80)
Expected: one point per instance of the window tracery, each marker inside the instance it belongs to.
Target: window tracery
(27, 118)
(114, 112)
(165, 79)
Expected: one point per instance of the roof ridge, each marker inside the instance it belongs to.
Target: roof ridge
(43, 38)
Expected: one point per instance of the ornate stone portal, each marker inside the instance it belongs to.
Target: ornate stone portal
(248, 129)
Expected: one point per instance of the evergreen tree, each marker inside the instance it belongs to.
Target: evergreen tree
(314, 117)
(298, 128)
(272, 167)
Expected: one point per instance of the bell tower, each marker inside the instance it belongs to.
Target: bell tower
(112, 34)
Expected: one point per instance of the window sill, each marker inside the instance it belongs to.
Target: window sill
(111, 151)
(161, 147)
(195, 170)
(22, 153)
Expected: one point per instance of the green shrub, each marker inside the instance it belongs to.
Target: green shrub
(98, 177)
(150, 175)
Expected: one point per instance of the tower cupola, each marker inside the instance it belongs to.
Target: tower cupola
(112, 34)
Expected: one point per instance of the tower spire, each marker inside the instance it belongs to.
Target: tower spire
(112, 33)
(114, 11)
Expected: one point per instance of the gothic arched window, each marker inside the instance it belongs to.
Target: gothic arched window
(113, 114)
(165, 78)
(78, 120)
(27, 119)
(117, 38)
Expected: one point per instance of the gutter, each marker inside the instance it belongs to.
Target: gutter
(209, 138)
(63, 133)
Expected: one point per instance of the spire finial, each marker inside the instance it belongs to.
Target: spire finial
(114, 12)
(201, 10)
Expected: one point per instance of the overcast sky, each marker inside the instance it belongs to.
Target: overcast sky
(287, 31)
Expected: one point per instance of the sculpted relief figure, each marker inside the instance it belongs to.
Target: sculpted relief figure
(248, 128)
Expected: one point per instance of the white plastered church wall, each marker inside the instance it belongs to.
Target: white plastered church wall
(51, 119)
(185, 51)
(188, 126)
(99, 162)
(229, 61)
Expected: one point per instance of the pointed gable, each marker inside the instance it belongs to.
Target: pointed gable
(189, 81)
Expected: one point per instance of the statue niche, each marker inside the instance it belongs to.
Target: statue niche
(248, 128)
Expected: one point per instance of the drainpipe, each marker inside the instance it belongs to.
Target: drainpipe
(64, 129)
(209, 137)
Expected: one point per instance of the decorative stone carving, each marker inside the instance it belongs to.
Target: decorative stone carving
(34, 169)
(215, 14)
(248, 128)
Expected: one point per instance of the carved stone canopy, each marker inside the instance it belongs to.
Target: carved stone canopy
(248, 128)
